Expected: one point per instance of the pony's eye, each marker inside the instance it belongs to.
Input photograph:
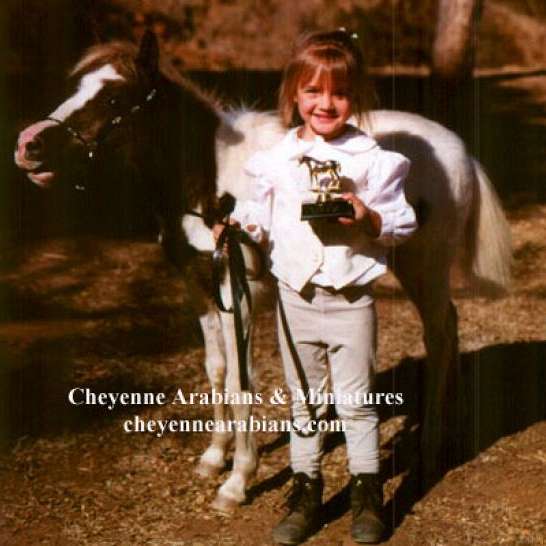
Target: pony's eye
(112, 101)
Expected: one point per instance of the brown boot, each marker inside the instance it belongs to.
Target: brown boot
(366, 505)
(304, 503)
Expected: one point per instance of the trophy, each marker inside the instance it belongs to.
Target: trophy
(325, 181)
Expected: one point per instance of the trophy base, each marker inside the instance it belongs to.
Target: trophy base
(334, 208)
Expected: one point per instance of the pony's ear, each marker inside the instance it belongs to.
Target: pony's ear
(148, 55)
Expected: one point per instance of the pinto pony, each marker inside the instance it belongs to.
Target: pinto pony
(190, 152)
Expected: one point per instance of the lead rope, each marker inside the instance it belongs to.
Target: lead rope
(302, 432)
(232, 238)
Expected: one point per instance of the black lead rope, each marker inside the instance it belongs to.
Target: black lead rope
(300, 431)
(233, 238)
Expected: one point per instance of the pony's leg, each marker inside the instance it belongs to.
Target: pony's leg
(426, 281)
(245, 460)
(212, 462)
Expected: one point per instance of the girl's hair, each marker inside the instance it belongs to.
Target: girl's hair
(338, 56)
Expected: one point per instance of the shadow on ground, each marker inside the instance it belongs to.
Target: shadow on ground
(51, 341)
(503, 389)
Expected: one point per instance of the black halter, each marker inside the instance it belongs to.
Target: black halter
(91, 146)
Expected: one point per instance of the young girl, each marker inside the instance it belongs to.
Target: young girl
(325, 269)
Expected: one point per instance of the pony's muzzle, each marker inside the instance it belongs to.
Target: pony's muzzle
(33, 149)
(30, 147)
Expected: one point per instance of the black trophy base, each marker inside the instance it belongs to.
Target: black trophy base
(334, 208)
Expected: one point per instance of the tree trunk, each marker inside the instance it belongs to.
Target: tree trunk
(453, 52)
(453, 97)
(453, 102)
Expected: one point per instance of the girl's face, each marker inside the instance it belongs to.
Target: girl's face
(324, 105)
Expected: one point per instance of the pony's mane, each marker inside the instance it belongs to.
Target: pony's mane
(122, 56)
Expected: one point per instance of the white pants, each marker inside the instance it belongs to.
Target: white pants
(336, 330)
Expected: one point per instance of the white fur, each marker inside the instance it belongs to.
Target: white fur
(492, 256)
(89, 87)
(240, 135)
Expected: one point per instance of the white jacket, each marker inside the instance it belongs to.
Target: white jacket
(326, 253)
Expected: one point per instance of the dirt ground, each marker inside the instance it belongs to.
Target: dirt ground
(113, 316)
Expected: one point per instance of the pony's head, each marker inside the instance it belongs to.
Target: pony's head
(115, 85)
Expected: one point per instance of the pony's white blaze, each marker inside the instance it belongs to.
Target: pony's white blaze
(89, 87)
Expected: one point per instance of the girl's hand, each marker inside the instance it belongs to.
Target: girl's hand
(217, 229)
(365, 216)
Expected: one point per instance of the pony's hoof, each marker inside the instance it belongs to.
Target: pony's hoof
(224, 505)
(207, 470)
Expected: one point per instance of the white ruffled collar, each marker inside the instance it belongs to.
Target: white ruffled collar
(352, 141)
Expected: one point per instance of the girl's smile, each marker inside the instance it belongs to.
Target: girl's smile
(324, 106)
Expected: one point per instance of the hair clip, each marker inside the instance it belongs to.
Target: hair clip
(353, 35)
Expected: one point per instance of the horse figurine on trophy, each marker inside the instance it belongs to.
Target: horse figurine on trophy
(326, 206)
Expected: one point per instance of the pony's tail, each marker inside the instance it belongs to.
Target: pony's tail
(488, 257)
